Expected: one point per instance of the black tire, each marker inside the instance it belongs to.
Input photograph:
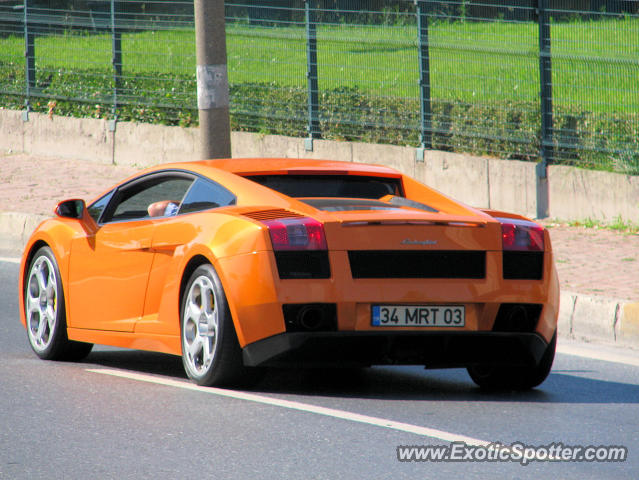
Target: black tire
(211, 353)
(515, 378)
(45, 312)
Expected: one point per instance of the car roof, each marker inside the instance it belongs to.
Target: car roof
(263, 166)
(229, 172)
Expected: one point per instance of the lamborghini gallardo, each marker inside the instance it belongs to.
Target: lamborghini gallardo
(238, 264)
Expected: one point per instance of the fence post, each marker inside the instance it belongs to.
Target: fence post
(425, 136)
(29, 53)
(116, 59)
(545, 84)
(311, 74)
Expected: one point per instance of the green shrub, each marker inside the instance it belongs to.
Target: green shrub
(505, 129)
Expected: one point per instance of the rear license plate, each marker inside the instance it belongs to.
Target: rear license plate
(418, 316)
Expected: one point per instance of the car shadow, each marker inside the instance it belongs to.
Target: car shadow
(415, 383)
(138, 361)
(388, 383)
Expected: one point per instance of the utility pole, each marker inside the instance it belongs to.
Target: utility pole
(545, 85)
(212, 79)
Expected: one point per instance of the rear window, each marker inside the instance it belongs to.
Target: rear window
(345, 186)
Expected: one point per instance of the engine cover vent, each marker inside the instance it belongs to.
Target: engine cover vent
(271, 214)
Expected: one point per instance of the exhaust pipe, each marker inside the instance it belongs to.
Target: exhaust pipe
(310, 317)
(517, 317)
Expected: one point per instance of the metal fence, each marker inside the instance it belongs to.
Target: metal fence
(555, 80)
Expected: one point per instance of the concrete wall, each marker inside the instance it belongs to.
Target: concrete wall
(16, 228)
(11, 131)
(578, 193)
(575, 194)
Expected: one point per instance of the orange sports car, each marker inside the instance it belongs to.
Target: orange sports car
(243, 263)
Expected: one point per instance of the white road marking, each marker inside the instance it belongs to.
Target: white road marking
(303, 407)
(9, 259)
(595, 353)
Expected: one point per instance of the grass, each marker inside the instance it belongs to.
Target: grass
(484, 83)
(617, 224)
(594, 63)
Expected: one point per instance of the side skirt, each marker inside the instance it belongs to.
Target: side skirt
(151, 342)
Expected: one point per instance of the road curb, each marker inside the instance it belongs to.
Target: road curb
(581, 317)
(599, 319)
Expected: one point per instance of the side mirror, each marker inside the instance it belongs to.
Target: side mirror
(71, 209)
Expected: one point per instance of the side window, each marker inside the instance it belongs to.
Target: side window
(205, 194)
(140, 199)
(97, 207)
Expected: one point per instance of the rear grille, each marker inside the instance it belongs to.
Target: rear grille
(417, 264)
(523, 265)
(271, 214)
(303, 264)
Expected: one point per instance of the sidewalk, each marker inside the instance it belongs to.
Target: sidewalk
(598, 269)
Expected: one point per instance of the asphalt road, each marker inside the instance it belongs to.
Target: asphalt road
(127, 414)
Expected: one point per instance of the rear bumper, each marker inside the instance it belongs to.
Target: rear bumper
(256, 296)
(365, 348)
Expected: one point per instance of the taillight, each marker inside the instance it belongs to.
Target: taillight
(521, 235)
(296, 234)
